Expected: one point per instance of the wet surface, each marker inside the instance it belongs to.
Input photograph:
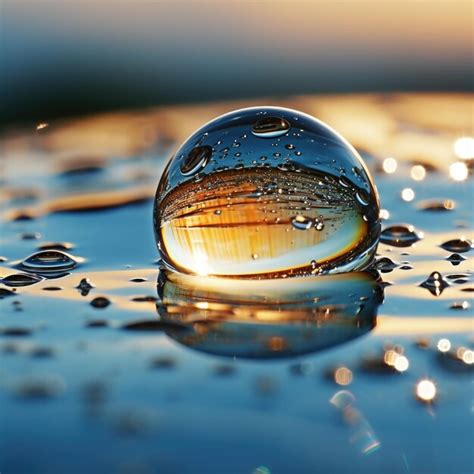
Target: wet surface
(115, 368)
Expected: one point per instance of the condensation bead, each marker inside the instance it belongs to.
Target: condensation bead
(266, 192)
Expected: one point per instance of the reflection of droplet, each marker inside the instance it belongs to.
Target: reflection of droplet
(400, 235)
(435, 284)
(457, 245)
(458, 171)
(260, 192)
(20, 279)
(197, 159)
(270, 127)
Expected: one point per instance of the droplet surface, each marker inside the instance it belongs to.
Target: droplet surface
(47, 261)
(20, 279)
(435, 284)
(400, 235)
(457, 245)
(220, 214)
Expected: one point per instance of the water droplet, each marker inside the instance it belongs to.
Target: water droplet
(436, 205)
(456, 259)
(34, 387)
(47, 261)
(457, 245)
(301, 222)
(4, 293)
(190, 233)
(196, 160)
(270, 127)
(64, 246)
(435, 284)
(100, 302)
(85, 286)
(20, 279)
(385, 265)
(460, 305)
(400, 235)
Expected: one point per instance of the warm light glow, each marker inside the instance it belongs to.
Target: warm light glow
(444, 345)
(408, 194)
(42, 125)
(390, 165)
(343, 376)
(466, 355)
(384, 214)
(401, 363)
(418, 173)
(458, 171)
(426, 390)
(464, 148)
(200, 264)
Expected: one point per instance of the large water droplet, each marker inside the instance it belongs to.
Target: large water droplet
(270, 127)
(400, 235)
(196, 160)
(49, 261)
(262, 202)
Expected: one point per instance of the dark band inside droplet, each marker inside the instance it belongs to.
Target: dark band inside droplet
(197, 159)
(271, 127)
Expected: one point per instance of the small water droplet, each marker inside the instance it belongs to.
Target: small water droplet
(20, 279)
(400, 235)
(290, 146)
(385, 265)
(435, 284)
(196, 160)
(100, 302)
(270, 127)
(457, 245)
(301, 222)
(460, 305)
(456, 259)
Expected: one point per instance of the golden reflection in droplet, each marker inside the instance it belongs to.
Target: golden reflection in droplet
(444, 345)
(390, 165)
(276, 343)
(408, 194)
(343, 376)
(42, 125)
(448, 204)
(426, 390)
(418, 173)
(464, 148)
(458, 171)
(384, 214)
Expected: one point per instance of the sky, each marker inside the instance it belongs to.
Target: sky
(69, 57)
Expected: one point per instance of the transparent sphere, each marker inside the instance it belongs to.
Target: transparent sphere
(266, 192)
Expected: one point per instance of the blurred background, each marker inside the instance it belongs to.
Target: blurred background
(65, 58)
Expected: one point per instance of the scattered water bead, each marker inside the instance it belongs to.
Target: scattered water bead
(4, 293)
(457, 245)
(85, 286)
(385, 265)
(100, 302)
(403, 235)
(56, 246)
(435, 284)
(456, 259)
(310, 199)
(460, 305)
(437, 205)
(21, 279)
(49, 261)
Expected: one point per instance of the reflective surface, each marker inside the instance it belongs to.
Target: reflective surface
(266, 192)
(268, 318)
(92, 373)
